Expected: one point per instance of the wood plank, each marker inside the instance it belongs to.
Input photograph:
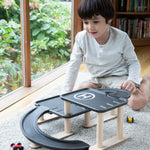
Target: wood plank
(141, 42)
(110, 142)
(143, 54)
(120, 122)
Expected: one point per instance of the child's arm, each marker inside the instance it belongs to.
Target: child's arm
(72, 72)
(132, 61)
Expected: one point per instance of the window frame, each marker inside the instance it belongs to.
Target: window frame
(25, 43)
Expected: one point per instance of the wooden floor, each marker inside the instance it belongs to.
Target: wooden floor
(143, 54)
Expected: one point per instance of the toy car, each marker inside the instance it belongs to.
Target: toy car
(17, 146)
(130, 119)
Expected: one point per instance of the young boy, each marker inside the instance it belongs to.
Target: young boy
(108, 54)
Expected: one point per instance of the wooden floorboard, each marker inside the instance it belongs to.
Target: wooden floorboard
(143, 54)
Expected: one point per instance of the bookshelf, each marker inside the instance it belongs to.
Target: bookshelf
(133, 17)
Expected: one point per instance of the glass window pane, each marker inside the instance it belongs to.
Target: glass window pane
(10, 46)
(50, 28)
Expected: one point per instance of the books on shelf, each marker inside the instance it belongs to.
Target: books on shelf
(134, 5)
(136, 28)
(122, 5)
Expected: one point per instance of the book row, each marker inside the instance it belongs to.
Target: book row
(136, 28)
(134, 5)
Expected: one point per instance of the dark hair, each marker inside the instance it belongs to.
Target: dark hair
(88, 8)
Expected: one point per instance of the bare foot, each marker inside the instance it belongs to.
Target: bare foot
(139, 99)
(145, 85)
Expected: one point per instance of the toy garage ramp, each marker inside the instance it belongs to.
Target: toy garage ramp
(31, 130)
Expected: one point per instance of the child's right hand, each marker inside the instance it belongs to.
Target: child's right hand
(128, 85)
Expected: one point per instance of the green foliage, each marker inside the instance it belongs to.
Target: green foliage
(50, 24)
(10, 9)
(10, 76)
(10, 40)
(10, 56)
(52, 29)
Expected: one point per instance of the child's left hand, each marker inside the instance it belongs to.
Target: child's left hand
(128, 85)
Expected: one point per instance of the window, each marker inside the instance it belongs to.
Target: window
(10, 46)
(45, 47)
(50, 29)
(28, 52)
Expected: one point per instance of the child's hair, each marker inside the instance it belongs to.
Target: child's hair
(88, 8)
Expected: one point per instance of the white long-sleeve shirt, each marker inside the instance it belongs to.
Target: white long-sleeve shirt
(116, 57)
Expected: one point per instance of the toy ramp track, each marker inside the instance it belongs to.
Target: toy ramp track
(31, 130)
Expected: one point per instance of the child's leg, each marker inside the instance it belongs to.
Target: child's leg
(91, 83)
(140, 98)
(87, 85)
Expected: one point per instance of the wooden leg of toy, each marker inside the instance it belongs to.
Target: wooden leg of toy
(67, 123)
(112, 112)
(87, 120)
(110, 116)
(67, 110)
(67, 107)
(88, 123)
(34, 146)
(67, 130)
(102, 145)
(99, 132)
(49, 117)
(120, 122)
(41, 118)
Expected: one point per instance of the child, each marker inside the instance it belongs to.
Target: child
(108, 54)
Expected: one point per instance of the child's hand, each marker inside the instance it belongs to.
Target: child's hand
(128, 85)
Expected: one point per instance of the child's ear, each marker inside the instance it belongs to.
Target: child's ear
(109, 21)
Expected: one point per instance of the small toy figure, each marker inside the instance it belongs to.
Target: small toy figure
(130, 119)
(17, 146)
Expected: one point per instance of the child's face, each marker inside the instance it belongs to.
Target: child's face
(96, 26)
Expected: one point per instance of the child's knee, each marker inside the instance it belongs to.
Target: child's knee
(87, 85)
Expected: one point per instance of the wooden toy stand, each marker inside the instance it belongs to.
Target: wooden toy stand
(104, 103)
(82, 102)
(55, 102)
